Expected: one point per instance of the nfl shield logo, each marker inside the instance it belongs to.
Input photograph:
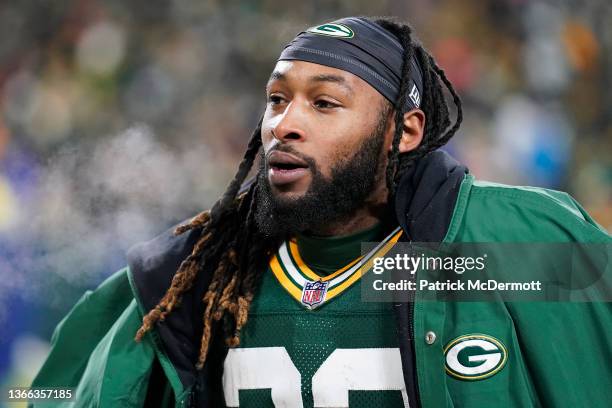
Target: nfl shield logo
(314, 293)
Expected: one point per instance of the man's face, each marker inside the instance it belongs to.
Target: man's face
(324, 136)
(317, 112)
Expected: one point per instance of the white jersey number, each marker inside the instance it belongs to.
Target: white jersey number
(367, 369)
(265, 367)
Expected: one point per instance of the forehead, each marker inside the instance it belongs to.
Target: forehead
(308, 73)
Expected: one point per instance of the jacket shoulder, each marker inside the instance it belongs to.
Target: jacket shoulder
(553, 199)
(93, 349)
(500, 212)
(96, 311)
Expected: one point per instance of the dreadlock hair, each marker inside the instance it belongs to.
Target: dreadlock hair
(229, 243)
(437, 117)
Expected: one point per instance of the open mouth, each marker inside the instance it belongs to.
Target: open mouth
(285, 168)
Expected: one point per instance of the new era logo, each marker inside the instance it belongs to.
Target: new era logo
(414, 96)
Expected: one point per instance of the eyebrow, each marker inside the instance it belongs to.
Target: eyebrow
(337, 79)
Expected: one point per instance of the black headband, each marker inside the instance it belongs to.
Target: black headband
(363, 48)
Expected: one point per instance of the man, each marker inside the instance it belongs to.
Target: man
(256, 303)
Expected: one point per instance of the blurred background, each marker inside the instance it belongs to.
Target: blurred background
(121, 118)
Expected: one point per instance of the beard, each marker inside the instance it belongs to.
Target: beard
(327, 201)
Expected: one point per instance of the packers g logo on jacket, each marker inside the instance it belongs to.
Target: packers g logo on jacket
(474, 357)
(332, 30)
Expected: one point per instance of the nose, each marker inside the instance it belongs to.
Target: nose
(291, 124)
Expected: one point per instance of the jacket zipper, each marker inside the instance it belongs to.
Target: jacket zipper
(412, 337)
(413, 351)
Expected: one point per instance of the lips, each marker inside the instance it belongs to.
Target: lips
(285, 168)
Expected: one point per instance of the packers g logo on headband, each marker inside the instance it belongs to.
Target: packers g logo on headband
(332, 30)
(474, 357)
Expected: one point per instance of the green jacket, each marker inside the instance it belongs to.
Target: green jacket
(558, 354)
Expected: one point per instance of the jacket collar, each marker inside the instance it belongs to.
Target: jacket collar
(426, 195)
(152, 265)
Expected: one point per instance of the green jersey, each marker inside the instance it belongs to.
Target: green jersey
(295, 352)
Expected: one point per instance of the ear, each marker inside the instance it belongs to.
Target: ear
(413, 129)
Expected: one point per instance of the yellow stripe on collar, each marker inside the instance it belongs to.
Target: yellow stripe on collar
(364, 269)
(300, 281)
(284, 280)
